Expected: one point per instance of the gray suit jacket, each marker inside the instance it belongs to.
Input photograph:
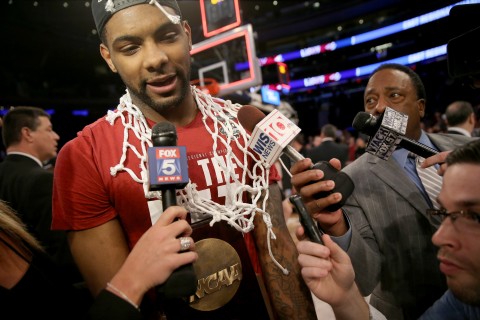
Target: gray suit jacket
(391, 248)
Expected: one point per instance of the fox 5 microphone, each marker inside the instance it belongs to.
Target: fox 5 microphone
(168, 171)
(270, 138)
(387, 132)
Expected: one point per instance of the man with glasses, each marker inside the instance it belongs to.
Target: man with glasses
(328, 271)
(383, 225)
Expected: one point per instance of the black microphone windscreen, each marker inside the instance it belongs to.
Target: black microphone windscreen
(360, 120)
(367, 123)
(164, 134)
(163, 127)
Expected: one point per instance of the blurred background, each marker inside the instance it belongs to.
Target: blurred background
(315, 54)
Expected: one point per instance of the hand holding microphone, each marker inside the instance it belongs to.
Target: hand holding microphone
(270, 138)
(154, 256)
(168, 171)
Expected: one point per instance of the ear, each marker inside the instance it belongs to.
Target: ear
(26, 134)
(188, 32)
(106, 56)
(421, 107)
(473, 119)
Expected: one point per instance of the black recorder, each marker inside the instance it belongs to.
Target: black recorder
(343, 184)
(310, 227)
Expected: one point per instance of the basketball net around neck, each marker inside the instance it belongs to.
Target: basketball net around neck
(253, 181)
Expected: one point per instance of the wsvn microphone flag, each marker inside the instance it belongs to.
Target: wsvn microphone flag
(167, 165)
(271, 135)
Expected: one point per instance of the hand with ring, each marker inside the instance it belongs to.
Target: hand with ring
(185, 243)
(163, 248)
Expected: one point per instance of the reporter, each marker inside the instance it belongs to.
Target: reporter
(383, 226)
(32, 287)
(328, 270)
(152, 260)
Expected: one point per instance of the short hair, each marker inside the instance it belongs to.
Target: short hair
(300, 138)
(329, 130)
(467, 153)
(414, 77)
(458, 112)
(17, 118)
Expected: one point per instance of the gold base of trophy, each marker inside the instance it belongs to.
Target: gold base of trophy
(219, 273)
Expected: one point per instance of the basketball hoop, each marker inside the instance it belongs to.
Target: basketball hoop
(207, 85)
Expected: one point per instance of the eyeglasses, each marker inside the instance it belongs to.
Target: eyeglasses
(454, 215)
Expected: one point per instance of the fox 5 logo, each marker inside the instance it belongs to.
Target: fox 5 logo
(168, 162)
(168, 165)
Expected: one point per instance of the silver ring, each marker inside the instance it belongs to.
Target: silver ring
(185, 244)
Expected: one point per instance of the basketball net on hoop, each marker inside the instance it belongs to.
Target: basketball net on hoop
(207, 85)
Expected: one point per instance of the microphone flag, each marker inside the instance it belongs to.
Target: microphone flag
(271, 135)
(389, 135)
(169, 164)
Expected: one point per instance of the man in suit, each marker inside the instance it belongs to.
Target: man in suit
(383, 226)
(25, 185)
(330, 275)
(460, 118)
(329, 148)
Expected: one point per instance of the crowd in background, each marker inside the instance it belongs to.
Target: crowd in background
(356, 142)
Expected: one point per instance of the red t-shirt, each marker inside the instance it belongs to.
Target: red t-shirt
(86, 195)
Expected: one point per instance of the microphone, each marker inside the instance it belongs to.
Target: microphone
(310, 226)
(387, 132)
(168, 171)
(271, 136)
(251, 118)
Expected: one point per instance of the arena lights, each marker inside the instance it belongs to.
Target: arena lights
(357, 39)
(367, 36)
(437, 52)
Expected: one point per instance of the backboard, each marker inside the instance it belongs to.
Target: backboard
(219, 57)
(219, 16)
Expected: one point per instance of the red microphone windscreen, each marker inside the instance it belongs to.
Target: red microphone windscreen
(249, 117)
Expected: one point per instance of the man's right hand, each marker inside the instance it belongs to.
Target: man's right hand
(303, 180)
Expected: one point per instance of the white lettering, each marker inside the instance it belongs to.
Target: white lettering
(168, 153)
(204, 165)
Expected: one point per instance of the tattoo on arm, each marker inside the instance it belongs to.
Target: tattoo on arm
(289, 295)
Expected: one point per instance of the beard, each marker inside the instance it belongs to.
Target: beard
(468, 294)
(165, 104)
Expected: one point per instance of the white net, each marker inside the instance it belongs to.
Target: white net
(175, 19)
(250, 185)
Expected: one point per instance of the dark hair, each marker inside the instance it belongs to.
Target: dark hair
(300, 138)
(16, 119)
(467, 153)
(414, 77)
(101, 14)
(458, 112)
(329, 130)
